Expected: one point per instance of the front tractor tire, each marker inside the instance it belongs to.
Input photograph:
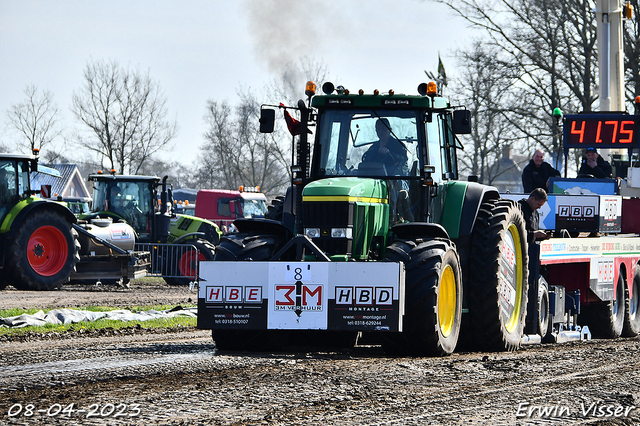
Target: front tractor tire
(187, 267)
(43, 252)
(433, 307)
(497, 279)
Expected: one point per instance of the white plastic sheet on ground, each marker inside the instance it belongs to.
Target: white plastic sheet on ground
(70, 316)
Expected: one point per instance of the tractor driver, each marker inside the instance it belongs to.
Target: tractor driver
(125, 207)
(392, 153)
(387, 150)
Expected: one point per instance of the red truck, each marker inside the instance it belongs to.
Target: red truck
(224, 206)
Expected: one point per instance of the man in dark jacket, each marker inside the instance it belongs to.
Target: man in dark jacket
(529, 207)
(595, 165)
(537, 173)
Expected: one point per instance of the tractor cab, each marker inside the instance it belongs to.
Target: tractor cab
(14, 179)
(131, 198)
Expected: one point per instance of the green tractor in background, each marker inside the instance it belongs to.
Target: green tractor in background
(176, 242)
(39, 248)
(380, 185)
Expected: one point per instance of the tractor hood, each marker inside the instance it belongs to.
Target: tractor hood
(351, 189)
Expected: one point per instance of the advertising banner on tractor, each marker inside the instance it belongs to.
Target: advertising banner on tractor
(610, 217)
(232, 297)
(577, 212)
(356, 296)
(601, 277)
(563, 250)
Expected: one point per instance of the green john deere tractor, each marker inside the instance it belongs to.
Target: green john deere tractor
(378, 189)
(145, 203)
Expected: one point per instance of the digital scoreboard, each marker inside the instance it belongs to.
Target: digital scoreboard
(600, 131)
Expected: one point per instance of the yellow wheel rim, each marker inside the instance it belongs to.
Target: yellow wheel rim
(447, 301)
(513, 321)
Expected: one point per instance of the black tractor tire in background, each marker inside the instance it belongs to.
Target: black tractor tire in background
(244, 247)
(606, 320)
(186, 267)
(496, 285)
(276, 210)
(631, 327)
(43, 252)
(433, 298)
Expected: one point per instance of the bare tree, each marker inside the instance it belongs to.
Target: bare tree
(632, 54)
(550, 46)
(35, 120)
(125, 112)
(486, 86)
(235, 152)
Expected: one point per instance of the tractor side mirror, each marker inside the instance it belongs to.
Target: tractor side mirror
(462, 122)
(267, 120)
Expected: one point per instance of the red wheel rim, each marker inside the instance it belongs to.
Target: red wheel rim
(187, 264)
(47, 251)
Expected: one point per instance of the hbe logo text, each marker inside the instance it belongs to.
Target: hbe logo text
(233, 294)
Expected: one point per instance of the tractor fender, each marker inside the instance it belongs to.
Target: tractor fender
(462, 204)
(183, 239)
(420, 229)
(260, 226)
(29, 205)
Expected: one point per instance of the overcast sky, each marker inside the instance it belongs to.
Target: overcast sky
(207, 49)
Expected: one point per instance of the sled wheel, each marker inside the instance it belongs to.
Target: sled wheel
(606, 319)
(545, 324)
(631, 327)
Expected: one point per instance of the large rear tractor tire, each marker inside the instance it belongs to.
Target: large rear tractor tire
(497, 284)
(606, 320)
(631, 327)
(243, 247)
(43, 252)
(188, 260)
(433, 307)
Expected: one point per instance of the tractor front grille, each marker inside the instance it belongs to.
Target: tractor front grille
(326, 215)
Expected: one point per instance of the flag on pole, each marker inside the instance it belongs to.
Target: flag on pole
(442, 75)
(293, 125)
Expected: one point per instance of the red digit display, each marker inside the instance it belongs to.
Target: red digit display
(599, 130)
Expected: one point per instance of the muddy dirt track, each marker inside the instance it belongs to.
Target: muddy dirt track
(178, 378)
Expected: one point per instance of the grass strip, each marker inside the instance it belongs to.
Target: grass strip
(177, 322)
